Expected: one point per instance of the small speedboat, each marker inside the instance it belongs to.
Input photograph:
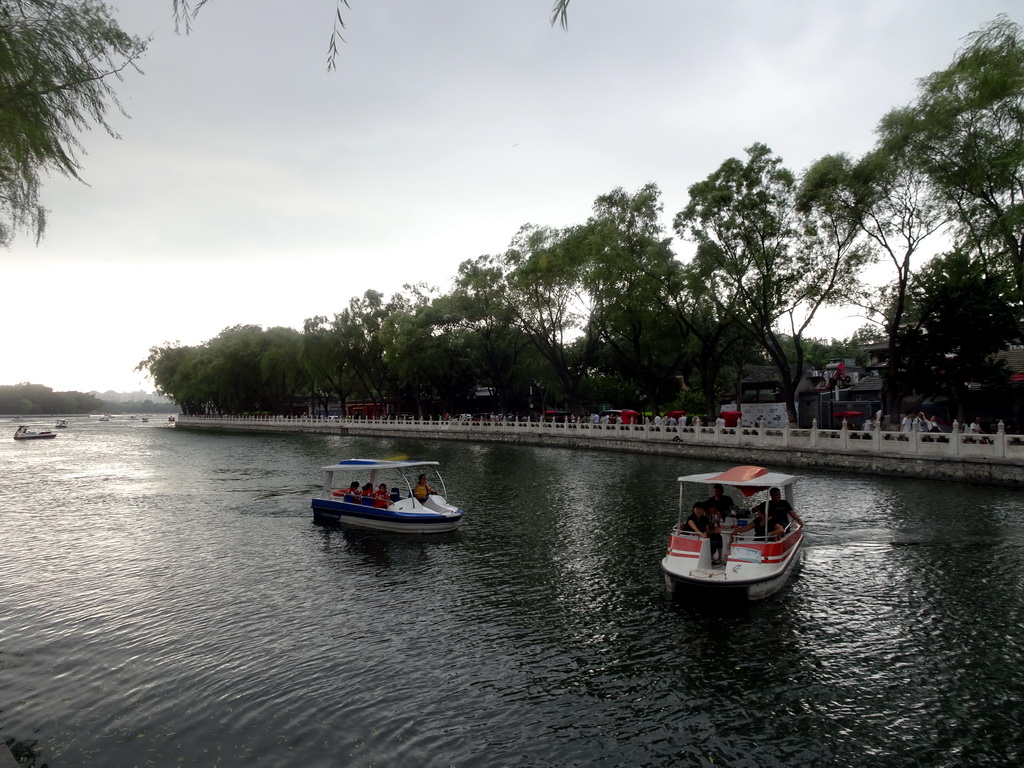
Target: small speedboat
(755, 563)
(61, 424)
(400, 511)
(24, 433)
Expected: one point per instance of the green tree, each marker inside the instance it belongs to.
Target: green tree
(544, 289)
(233, 373)
(323, 357)
(769, 269)
(495, 345)
(57, 58)
(244, 369)
(360, 329)
(963, 321)
(27, 398)
(965, 132)
(430, 358)
(629, 264)
(282, 372)
(180, 373)
(891, 202)
(715, 342)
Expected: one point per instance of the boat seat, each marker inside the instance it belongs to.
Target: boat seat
(395, 494)
(367, 501)
(349, 499)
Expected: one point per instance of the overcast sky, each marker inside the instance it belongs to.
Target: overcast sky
(251, 186)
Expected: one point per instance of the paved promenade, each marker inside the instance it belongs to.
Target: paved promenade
(988, 459)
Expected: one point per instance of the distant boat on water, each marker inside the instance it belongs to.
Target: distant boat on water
(24, 433)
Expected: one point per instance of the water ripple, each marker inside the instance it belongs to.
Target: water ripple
(167, 600)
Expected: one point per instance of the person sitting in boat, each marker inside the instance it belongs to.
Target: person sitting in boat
(421, 490)
(354, 492)
(757, 523)
(720, 502)
(778, 512)
(697, 522)
(381, 499)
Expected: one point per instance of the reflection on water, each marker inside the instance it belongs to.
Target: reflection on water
(165, 599)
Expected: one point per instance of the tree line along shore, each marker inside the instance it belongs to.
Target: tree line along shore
(607, 312)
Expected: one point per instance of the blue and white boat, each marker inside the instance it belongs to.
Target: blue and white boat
(400, 512)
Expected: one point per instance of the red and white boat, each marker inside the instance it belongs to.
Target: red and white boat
(754, 566)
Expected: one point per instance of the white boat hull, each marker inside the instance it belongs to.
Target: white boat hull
(393, 519)
(396, 513)
(24, 434)
(754, 569)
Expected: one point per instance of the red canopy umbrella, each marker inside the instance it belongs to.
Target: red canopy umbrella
(847, 415)
(629, 417)
(731, 417)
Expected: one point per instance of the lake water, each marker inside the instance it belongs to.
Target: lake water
(166, 600)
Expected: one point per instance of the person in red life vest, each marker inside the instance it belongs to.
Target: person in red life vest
(380, 497)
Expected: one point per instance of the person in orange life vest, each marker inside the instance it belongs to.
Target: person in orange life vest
(380, 497)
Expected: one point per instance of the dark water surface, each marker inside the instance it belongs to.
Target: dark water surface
(166, 600)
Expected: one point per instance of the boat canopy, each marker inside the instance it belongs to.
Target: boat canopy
(752, 479)
(364, 465)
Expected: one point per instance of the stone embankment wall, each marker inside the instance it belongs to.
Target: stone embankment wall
(990, 459)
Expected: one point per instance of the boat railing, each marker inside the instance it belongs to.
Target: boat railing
(746, 537)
